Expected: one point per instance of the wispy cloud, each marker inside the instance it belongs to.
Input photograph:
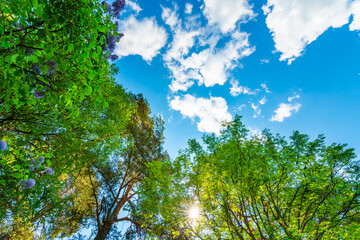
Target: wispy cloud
(256, 107)
(267, 90)
(211, 112)
(134, 6)
(285, 110)
(236, 89)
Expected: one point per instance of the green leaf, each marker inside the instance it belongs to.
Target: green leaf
(70, 47)
(35, 3)
(16, 175)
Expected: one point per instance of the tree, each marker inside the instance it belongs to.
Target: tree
(113, 178)
(59, 102)
(263, 187)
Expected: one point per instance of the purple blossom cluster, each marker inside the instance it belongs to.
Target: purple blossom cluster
(36, 69)
(29, 51)
(3, 146)
(31, 182)
(27, 184)
(112, 40)
(53, 67)
(49, 171)
(118, 6)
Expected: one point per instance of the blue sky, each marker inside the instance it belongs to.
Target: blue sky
(282, 64)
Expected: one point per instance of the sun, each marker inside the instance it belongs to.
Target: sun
(194, 213)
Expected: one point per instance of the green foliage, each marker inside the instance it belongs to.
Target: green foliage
(58, 100)
(262, 187)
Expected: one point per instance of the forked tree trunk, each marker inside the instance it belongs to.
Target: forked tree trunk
(106, 226)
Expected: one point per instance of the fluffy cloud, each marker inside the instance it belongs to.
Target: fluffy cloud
(227, 13)
(236, 89)
(211, 65)
(141, 37)
(285, 110)
(355, 24)
(296, 23)
(211, 112)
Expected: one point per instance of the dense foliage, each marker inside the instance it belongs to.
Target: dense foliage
(79, 152)
(264, 187)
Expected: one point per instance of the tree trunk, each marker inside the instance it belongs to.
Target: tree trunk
(106, 226)
(104, 230)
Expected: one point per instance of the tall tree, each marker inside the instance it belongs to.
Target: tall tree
(264, 187)
(115, 178)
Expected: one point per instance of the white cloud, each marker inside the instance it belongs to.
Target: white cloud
(263, 101)
(211, 65)
(195, 55)
(141, 37)
(284, 111)
(262, 61)
(211, 112)
(296, 23)
(355, 24)
(241, 107)
(227, 13)
(134, 6)
(254, 131)
(235, 89)
(267, 90)
(293, 97)
(256, 109)
(169, 17)
(188, 8)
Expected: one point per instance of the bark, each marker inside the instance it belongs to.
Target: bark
(106, 225)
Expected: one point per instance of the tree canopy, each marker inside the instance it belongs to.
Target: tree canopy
(263, 187)
(78, 151)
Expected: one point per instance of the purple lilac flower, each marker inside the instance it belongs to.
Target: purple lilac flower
(114, 57)
(53, 66)
(39, 94)
(3, 146)
(49, 171)
(31, 168)
(29, 51)
(41, 159)
(33, 161)
(104, 47)
(112, 42)
(36, 69)
(118, 5)
(29, 183)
